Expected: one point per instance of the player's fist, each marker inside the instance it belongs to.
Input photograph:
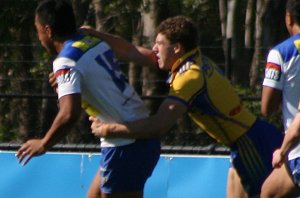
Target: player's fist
(278, 158)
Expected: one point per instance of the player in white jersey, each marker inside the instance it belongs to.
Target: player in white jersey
(88, 76)
(86, 65)
(281, 85)
(281, 88)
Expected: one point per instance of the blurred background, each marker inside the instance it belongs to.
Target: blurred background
(236, 34)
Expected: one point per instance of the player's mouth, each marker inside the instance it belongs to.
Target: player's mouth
(157, 56)
(158, 59)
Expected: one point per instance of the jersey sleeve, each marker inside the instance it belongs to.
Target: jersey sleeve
(67, 77)
(186, 85)
(273, 70)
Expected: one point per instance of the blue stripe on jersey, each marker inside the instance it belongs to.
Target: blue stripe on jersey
(202, 101)
(72, 52)
(285, 49)
(178, 100)
(113, 69)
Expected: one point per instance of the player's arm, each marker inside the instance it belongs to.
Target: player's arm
(152, 127)
(170, 110)
(124, 49)
(52, 80)
(69, 112)
(272, 85)
(291, 139)
(270, 100)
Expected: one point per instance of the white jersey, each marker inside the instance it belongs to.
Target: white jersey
(88, 66)
(283, 73)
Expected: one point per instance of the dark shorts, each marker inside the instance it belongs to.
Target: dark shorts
(252, 155)
(127, 168)
(294, 170)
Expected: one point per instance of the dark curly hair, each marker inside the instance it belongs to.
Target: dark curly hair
(180, 29)
(59, 15)
(293, 7)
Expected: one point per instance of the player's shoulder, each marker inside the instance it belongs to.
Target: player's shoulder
(63, 63)
(188, 65)
(288, 47)
(85, 43)
(76, 47)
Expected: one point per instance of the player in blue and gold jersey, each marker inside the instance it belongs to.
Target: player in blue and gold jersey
(198, 87)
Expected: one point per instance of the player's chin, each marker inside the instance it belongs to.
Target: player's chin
(161, 65)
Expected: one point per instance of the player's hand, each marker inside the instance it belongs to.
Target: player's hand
(98, 127)
(52, 81)
(88, 30)
(278, 158)
(84, 27)
(31, 148)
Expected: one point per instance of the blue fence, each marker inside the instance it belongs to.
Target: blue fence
(68, 175)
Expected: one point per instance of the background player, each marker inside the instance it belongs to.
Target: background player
(281, 90)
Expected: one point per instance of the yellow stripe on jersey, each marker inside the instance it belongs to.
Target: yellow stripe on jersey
(89, 109)
(86, 43)
(187, 83)
(297, 44)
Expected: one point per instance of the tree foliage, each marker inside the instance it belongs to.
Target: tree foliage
(235, 33)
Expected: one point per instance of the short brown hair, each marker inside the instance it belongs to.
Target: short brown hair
(180, 29)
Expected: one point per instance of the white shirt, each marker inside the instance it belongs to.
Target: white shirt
(87, 66)
(283, 73)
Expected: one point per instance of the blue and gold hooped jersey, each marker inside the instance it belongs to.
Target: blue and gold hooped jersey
(211, 100)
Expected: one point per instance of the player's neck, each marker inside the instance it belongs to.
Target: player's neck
(60, 42)
(296, 30)
(58, 46)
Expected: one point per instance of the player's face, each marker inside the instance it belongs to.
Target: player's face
(288, 23)
(165, 52)
(44, 35)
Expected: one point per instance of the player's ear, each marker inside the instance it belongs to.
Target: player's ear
(288, 19)
(177, 47)
(48, 31)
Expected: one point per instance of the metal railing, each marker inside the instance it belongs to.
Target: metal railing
(165, 149)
